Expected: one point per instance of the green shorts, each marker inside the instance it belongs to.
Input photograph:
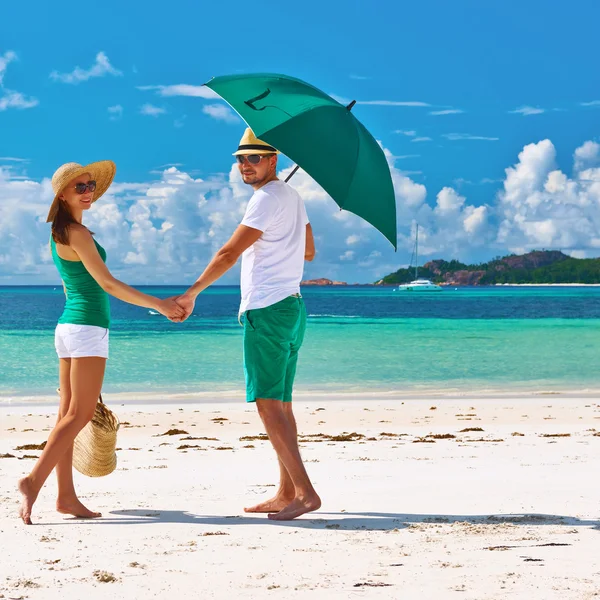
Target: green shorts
(272, 337)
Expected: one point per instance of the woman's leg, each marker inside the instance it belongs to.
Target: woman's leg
(86, 383)
(67, 501)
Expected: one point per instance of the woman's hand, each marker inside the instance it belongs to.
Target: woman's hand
(187, 302)
(170, 309)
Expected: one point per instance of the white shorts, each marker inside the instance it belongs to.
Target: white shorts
(79, 341)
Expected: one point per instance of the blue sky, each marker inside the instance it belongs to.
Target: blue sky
(457, 93)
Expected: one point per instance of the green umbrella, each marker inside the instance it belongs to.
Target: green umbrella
(320, 135)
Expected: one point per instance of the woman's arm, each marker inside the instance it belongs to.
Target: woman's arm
(81, 241)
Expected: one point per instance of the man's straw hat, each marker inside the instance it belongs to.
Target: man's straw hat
(102, 172)
(250, 144)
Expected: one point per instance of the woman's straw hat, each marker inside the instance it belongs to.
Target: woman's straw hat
(102, 172)
(250, 144)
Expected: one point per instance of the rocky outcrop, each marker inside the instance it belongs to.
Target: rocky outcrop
(322, 281)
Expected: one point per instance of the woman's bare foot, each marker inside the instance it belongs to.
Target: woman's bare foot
(29, 498)
(298, 506)
(279, 502)
(72, 506)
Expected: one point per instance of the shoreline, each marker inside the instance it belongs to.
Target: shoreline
(157, 398)
(542, 285)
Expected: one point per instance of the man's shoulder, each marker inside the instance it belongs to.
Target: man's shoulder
(276, 189)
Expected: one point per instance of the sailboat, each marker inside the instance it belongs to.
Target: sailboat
(418, 285)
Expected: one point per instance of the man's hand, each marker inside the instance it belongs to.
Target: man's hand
(187, 302)
(170, 309)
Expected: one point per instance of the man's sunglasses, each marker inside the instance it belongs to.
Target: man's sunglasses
(253, 159)
(82, 188)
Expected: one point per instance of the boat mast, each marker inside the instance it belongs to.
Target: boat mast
(417, 254)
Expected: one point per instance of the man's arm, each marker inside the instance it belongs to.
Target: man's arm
(309, 250)
(243, 237)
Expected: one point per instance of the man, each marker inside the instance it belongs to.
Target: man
(273, 240)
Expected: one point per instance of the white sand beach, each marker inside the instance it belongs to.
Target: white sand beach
(472, 498)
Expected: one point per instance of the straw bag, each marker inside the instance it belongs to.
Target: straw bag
(94, 448)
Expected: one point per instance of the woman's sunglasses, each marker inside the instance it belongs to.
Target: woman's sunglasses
(82, 188)
(253, 159)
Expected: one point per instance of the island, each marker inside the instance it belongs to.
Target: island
(322, 281)
(539, 267)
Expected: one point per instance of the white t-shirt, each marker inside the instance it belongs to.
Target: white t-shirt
(272, 267)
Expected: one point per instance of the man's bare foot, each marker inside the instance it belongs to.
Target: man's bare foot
(273, 505)
(297, 507)
(29, 497)
(72, 506)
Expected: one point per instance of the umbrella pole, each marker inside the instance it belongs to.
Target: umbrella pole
(349, 107)
(292, 173)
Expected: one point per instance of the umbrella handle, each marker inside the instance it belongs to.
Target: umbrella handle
(349, 107)
(292, 173)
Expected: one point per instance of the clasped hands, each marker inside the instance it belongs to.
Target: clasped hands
(176, 308)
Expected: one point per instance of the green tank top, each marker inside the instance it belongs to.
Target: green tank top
(87, 303)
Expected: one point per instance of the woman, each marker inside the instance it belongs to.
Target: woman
(81, 336)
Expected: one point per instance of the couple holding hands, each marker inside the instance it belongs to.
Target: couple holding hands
(274, 239)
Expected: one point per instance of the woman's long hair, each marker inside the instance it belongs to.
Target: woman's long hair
(61, 223)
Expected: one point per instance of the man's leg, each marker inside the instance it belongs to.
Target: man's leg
(286, 493)
(272, 338)
(283, 437)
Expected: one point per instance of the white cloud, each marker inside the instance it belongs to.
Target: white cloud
(5, 60)
(372, 260)
(353, 239)
(475, 219)
(467, 136)
(13, 159)
(587, 155)
(527, 111)
(592, 103)
(166, 230)
(421, 139)
(11, 98)
(182, 89)
(152, 111)
(16, 100)
(459, 181)
(541, 207)
(359, 77)
(100, 68)
(408, 133)
(168, 165)
(22, 232)
(115, 112)
(448, 111)
(448, 200)
(220, 112)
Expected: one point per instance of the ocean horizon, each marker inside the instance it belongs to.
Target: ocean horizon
(497, 339)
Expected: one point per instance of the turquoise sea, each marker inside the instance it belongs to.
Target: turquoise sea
(359, 339)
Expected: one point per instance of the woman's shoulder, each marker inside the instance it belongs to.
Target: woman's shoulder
(79, 235)
(79, 230)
